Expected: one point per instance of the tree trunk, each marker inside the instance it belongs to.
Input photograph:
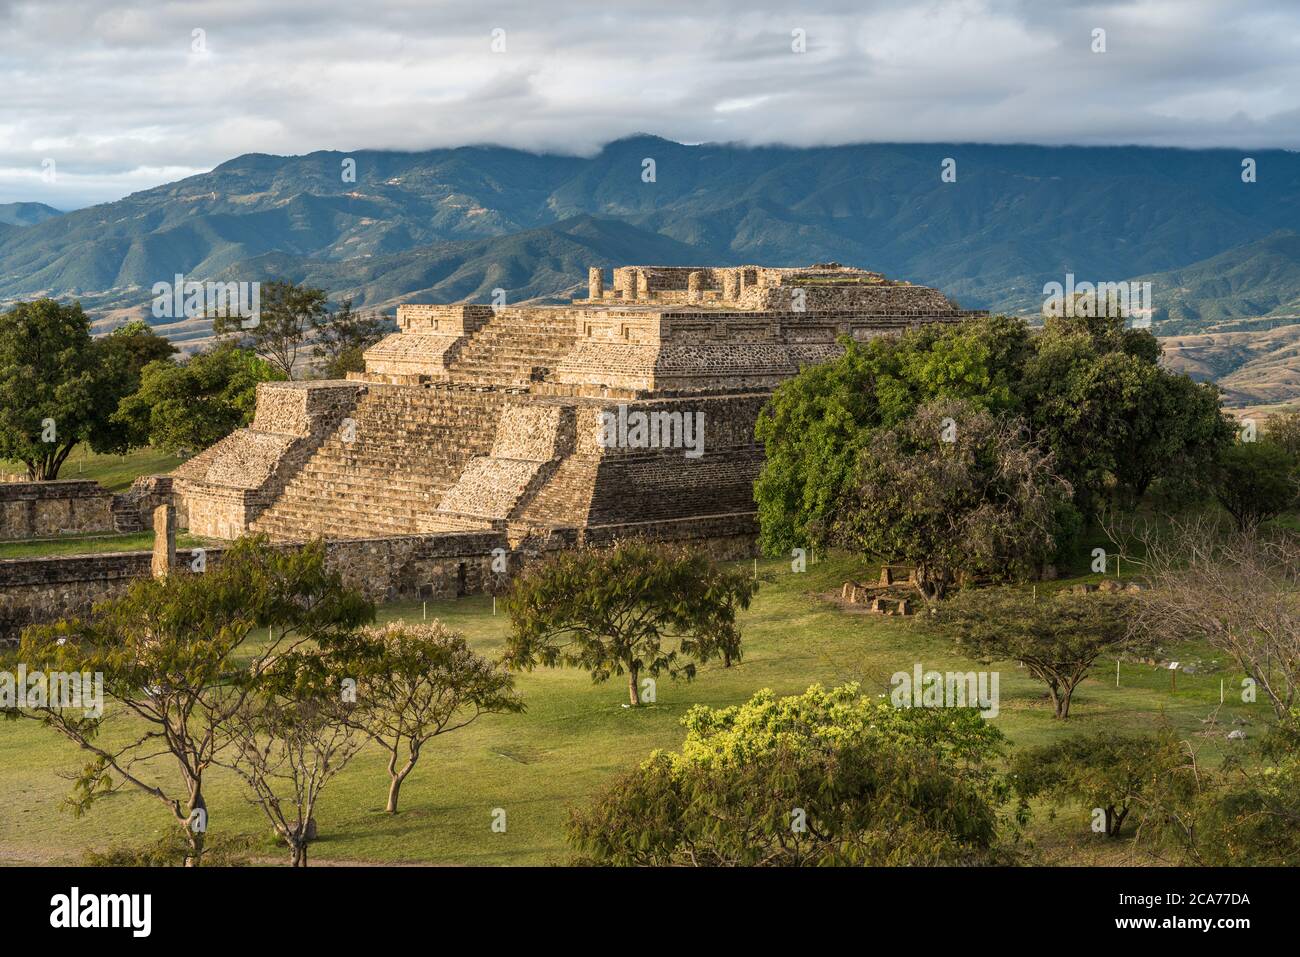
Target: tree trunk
(298, 854)
(394, 788)
(196, 837)
(1115, 819)
(1063, 704)
(1060, 702)
(633, 693)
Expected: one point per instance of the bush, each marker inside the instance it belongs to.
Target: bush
(827, 777)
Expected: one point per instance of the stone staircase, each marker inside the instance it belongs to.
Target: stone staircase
(408, 446)
(514, 350)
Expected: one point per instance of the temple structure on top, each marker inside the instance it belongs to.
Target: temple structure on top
(628, 412)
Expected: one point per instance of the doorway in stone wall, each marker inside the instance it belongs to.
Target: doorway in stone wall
(461, 589)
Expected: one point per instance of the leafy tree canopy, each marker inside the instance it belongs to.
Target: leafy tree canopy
(1255, 481)
(827, 777)
(59, 386)
(175, 653)
(1089, 390)
(635, 608)
(1057, 638)
(189, 405)
(1110, 775)
(288, 313)
(954, 490)
(412, 683)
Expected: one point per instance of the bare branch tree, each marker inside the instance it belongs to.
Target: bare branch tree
(286, 750)
(1240, 591)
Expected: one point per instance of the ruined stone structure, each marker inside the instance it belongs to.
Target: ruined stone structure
(630, 412)
(444, 565)
(42, 509)
(77, 506)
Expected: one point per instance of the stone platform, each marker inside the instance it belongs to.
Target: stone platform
(629, 412)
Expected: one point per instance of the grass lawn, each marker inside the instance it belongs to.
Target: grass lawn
(114, 472)
(575, 735)
(89, 544)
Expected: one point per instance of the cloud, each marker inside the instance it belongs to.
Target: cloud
(127, 95)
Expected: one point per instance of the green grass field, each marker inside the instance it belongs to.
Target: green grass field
(89, 544)
(575, 735)
(114, 472)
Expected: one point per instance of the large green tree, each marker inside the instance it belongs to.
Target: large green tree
(954, 490)
(1090, 391)
(1255, 481)
(190, 405)
(121, 358)
(1095, 395)
(59, 386)
(635, 609)
(816, 423)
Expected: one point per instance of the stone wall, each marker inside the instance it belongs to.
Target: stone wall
(132, 509)
(46, 589)
(41, 509)
(385, 569)
(641, 353)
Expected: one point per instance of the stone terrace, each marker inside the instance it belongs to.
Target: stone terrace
(473, 418)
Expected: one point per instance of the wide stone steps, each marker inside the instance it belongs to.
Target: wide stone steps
(508, 350)
(339, 505)
(295, 523)
(408, 449)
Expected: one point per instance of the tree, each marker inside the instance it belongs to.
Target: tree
(414, 682)
(1254, 481)
(1241, 811)
(1172, 426)
(1283, 430)
(1056, 638)
(635, 608)
(1090, 392)
(1095, 396)
(288, 743)
(288, 312)
(1249, 813)
(955, 490)
(823, 778)
(121, 358)
(815, 424)
(178, 655)
(1235, 590)
(1108, 772)
(193, 404)
(58, 386)
(342, 338)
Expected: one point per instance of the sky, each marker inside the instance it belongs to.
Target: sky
(100, 98)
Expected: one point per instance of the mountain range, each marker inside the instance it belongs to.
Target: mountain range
(453, 224)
